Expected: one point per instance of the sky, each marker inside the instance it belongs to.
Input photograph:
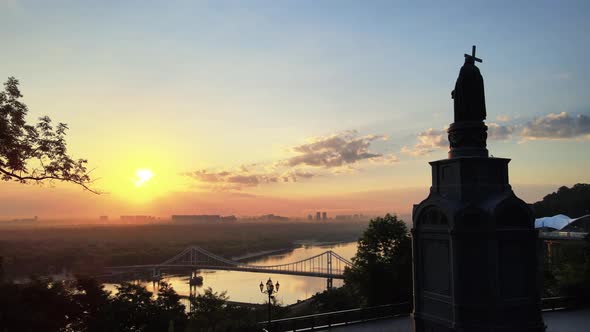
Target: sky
(288, 107)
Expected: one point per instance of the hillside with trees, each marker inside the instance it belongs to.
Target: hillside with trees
(574, 202)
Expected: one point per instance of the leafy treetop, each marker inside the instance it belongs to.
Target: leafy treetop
(382, 268)
(34, 153)
(573, 202)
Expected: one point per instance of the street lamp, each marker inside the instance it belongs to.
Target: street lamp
(270, 290)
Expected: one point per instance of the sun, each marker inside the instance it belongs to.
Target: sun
(142, 176)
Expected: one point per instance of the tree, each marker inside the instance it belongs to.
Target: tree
(34, 152)
(382, 268)
(133, 308)
(94, 306)
(335, 299)
(38, 305)
(170, 312)
(572, 273)
(208, 308)
(573, 202)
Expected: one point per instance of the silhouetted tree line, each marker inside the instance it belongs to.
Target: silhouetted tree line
(83, 305)
(381, 271)
(574, 202)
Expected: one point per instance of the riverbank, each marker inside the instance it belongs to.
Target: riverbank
(297, 244)
(249, 256)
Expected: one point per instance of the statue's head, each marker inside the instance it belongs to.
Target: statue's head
(469, 59)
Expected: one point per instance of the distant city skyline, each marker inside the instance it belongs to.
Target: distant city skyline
(291, 107)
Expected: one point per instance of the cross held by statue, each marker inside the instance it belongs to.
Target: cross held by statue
(471, 57)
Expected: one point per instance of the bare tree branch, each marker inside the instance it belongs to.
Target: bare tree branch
(22, 144)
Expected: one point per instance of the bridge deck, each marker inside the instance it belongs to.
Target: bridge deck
(230, 268)
(326, 265)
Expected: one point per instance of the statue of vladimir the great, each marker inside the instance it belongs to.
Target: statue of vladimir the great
(469, 99)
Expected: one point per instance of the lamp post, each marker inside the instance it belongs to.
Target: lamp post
(270, 290)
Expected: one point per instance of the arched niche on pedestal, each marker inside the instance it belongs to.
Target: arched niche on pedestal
(517, 243)
(434, 243)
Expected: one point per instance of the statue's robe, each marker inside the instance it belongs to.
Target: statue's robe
(468, 95)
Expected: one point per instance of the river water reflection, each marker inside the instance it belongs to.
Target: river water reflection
(243, 286)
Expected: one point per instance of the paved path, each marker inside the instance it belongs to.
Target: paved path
(568, 320)
(402, 324)
(557, 321)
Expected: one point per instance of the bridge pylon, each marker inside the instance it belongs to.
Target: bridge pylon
(329, 283)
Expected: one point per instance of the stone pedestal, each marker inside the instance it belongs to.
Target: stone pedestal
(468, 139)
(474, 246)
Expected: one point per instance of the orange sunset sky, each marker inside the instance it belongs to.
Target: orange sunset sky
(289, 107)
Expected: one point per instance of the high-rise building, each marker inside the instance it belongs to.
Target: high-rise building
(324, 216)
(318, 216)
(309, 217)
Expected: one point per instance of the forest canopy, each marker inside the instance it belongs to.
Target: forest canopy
(574, 202)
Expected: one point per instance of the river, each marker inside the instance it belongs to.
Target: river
(243, 286)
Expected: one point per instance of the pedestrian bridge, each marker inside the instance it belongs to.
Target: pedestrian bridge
(327, 264)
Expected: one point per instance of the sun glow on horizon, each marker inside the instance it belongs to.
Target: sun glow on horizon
(142, 176)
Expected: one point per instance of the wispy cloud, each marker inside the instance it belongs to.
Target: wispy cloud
(499, 132)
(550, 126)
(503, 118)
(557, 126)
(320, 156)
(235, 179)
(428, 141)
(335, 150)
(349, 152)
(565, 76)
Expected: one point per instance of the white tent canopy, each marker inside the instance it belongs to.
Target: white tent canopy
(558, 222)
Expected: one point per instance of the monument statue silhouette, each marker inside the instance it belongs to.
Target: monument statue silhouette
(474, 242)
(468, 134)
(469, 98)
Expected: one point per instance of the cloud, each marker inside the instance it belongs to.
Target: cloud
(387, 159)
(237, 178)
(503, 118)
(433, 139)
(321, 156)
(428, 141)
(335, 150)
(557, 126)
(565, 76)
(499, 132)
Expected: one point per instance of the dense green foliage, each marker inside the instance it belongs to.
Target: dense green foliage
(382, 270)
(34, 152)
(84, 306)
(209, 307)
(334, 299)
(569, 272)
(574, 202)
